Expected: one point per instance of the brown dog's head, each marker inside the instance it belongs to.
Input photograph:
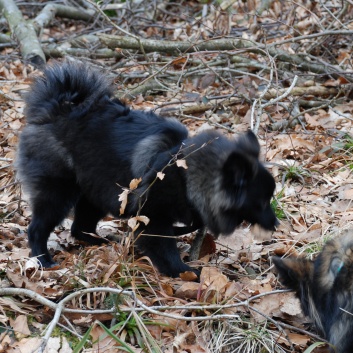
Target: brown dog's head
(325, 289)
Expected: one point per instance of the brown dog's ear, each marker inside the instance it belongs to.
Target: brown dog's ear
(294, 272)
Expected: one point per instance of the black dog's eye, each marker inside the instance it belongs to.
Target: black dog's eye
(336, 266)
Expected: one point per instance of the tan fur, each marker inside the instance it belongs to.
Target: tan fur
(325, 289)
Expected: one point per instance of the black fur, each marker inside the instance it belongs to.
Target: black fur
(81, 146)
(325, 289)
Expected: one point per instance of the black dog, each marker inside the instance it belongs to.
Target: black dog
(325, 289)
(81, 147)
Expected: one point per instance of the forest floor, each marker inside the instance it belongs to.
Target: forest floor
(286, 72)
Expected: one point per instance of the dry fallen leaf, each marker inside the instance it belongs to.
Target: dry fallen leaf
(20, 326)
(188, 276)
(190, 290)
(26, 345)
(134, 183)
(123, 198)
(291, 306)
(317, 206)
(160, 175)
(133, 222)
(181, 163)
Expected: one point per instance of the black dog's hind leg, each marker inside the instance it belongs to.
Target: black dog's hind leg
(51, 202)
(162, 250)
(86, 218)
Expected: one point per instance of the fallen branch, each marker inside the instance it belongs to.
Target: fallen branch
(138, 306)
(51, 10)
(318, 91)
(25, 33)
(198, 108)
(4, 38)
(142, 89)
(107, 18)
(60, 52)
(262, 94)
(174, 47)
(223, 44)
(275, 94)
(158, 310)
(270, 102)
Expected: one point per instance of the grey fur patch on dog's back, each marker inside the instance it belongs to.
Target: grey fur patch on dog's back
(144, 152)
(147, 149)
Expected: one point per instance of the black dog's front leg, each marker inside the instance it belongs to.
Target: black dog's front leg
(162, 250)
(85, 222)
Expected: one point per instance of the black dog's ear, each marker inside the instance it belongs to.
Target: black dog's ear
(238, 170)
(249, 144)
(242, 164)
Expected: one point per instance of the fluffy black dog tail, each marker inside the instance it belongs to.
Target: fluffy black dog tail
(65, 88)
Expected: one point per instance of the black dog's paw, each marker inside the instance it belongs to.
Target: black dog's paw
(45, 261)
(90, 239)
(181, 271)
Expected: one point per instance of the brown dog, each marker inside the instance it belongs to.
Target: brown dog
(325, 289)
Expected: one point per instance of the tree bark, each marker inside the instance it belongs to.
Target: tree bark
(23, 30)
